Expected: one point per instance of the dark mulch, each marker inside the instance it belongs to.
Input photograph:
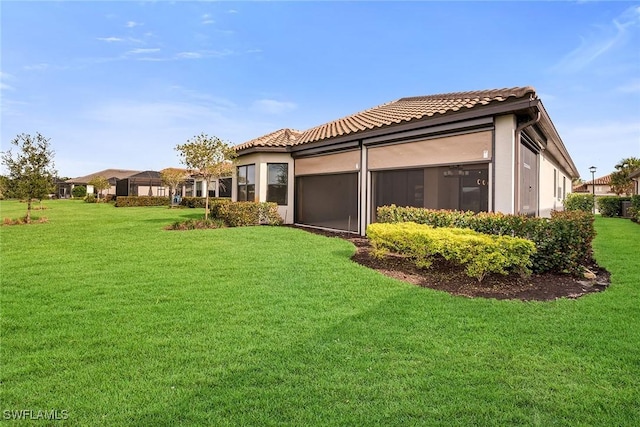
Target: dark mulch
(450, 278)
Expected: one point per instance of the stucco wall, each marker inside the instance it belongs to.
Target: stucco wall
(261, 160)
(504, 164)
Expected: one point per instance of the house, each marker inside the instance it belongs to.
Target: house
(492, 150)
(635, 177)
(113, 175)
(599, 186)
(147, 183)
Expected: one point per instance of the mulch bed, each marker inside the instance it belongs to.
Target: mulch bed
(452, 279)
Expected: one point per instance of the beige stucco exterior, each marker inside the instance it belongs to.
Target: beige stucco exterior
(261, 160)
(505, 164)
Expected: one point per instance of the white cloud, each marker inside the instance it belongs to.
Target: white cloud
(631, 87)
(132, 24)
(142, 51)
(232, 11)
(111, 39)
(190, 55)
(271, 106)
(3, 78)
(37, 67)
(207, 19)
(598, 44)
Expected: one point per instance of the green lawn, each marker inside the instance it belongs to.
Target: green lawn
(119, 322)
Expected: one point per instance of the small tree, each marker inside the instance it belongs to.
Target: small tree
(100, 183)
(172, 178)
(621, 183)
(208, 157)
(32, 169)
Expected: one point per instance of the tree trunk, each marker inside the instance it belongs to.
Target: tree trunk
(206, 200)
(28, 216)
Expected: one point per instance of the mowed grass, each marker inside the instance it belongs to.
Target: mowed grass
(119, 322)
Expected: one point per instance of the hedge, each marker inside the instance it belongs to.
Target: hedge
(479, 253)
(563, 242)
(240, 214)
(634, 210)
(129, 201)
(579, 202)
(611, 206)
(193, 202)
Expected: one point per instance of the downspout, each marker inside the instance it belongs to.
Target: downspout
(519, 130)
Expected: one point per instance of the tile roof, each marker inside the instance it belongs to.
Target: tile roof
(408, 109)
(107, 173)
(603, 180)
(398, 111)
(279, 138)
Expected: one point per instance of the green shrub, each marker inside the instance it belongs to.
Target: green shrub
(611, 206)
(196, 224)
(193, 202)
(579, 202)
(240, 214)
(79, 191)
(90, 198)
(563, 242)
(480, 254)
(130, 201)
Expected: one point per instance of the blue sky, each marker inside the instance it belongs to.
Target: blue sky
(119, 84)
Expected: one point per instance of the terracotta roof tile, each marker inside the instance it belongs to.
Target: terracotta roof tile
(407, 109)
(603, 180)
(279, 138)
(391, 113)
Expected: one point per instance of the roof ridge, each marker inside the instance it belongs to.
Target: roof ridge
(517, 91)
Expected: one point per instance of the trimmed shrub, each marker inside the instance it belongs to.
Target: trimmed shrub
(634, 210)
(196, 224)
(563, 242)
(579, 202)
(193, 202)
(479, 253)
(218, 206)
(79, 191)
(130, 201)
(240, 214)
(90, 198)
(611, 206)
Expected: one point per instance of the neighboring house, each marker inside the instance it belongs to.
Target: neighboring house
(147, 183)
(113, 175)
(602, 186)
(493, 150)
(635, 177)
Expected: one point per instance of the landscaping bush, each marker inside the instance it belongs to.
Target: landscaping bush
(129, 201)
(196, 224)
(193, 202)
(611, 206)
(563, 242)
(479, 253)
(240, 214)
(90, 198)
(79, 191)
(579, 202)
(218, 207)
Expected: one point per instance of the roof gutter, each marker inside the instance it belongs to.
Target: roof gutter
(519, 130)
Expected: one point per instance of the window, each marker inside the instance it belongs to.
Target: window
(277, 178)
(247, 183)
(224, 187)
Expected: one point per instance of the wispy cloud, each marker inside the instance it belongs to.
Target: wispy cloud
(140, 51)
(603, 40)
(3, 78)
(232, 11)
(111, 39)
(631, 87)
(207, 19)
(271, 106)
(38, 67)
(132, 24)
